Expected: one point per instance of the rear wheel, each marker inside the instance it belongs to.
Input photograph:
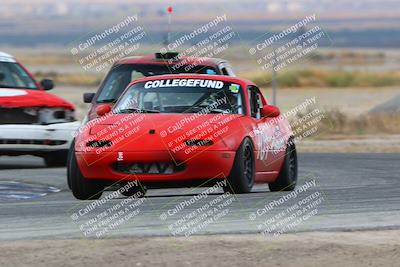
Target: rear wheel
(56, 159)
(241, 178)
(81, 187)
(287, 177)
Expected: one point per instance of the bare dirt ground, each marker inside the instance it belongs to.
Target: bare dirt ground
(352, 144)
(367, 248)
(352, 101)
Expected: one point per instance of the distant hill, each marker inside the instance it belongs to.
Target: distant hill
(344, 38)
(366, 23)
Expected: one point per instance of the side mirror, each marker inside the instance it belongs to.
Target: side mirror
(103, 109)
(270, 111)
(47, 84)
(88, 97)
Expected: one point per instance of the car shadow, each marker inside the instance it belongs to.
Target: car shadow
(193, 194)
(21, 162)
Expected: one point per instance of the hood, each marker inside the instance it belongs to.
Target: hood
(16, 98)
(141, 132)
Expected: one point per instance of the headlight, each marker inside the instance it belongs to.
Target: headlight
(55, 115)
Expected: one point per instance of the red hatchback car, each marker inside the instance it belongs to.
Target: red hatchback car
(185, 130)
(32, 121)
(128, 69)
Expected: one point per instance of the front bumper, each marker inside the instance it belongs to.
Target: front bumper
(33, 139)
(203, 166)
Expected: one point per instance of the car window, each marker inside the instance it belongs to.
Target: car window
(230, 71)
(12, 75)
(121, 75)
(183, 96)
(254, 101)
(224, 71)
(136, 75)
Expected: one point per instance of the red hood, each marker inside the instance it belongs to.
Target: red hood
(15, 98)
(133, 133)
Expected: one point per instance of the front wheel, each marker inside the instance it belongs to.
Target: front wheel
(287, 177)
(81, 187)
(241, 178)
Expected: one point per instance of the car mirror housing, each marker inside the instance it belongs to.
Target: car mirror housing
(88, 97)
(47, 84)
(103, 109)
(270, 111)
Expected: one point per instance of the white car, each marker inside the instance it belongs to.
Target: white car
(32, 121)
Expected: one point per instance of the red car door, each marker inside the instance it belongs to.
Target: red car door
(269, 134)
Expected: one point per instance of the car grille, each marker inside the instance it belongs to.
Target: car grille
(148, 167)
(32, 142)
(17, 116)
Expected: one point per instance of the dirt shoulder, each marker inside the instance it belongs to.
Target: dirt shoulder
(366, 248)
(352, 144)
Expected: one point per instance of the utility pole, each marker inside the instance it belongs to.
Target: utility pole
(169, 10)
(274, 82)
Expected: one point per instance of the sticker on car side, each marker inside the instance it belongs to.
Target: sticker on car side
(184, 83)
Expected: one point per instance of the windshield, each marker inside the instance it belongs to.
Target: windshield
(12, 75)
(121, 75)
(182, 96)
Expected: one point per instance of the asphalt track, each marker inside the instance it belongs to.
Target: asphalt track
(356, 192)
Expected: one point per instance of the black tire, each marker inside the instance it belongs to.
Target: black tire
(134, 190)
(241, 178)
(56, 159)
(71, 151)
(287, 177)
(81, 187)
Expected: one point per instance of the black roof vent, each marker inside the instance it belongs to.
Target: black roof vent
(167, 55)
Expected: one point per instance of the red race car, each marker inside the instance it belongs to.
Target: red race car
(184, 130)
(32, 121)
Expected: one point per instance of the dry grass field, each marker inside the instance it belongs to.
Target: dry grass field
(346, 83)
